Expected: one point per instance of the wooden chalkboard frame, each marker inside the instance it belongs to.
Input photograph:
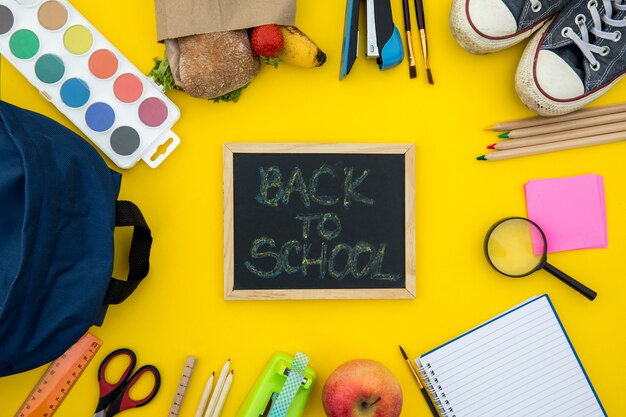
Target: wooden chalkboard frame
(408, 150)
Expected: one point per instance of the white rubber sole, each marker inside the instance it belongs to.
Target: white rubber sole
(473, 41)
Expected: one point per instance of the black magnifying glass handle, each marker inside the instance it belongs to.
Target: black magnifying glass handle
(581, 288)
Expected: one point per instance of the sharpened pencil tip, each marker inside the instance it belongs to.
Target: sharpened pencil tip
(412, 71)
(493, 146)
(429, 74)
(488, 128)
(403, 353)
(504, 135)
(481, 158)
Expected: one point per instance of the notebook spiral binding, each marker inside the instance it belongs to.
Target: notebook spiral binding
(436, 392)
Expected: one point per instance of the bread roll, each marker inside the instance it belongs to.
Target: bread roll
(213, 64)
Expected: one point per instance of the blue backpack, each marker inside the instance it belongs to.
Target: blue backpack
(58, 211)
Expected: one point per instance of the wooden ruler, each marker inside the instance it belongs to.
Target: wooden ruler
(59, 378)
(182, 386)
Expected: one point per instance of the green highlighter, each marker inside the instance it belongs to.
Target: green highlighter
(275, 394)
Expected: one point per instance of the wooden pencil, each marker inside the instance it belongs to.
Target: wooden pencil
(219, 386)
(563, 126)
(555, 146)
(559, 136)
(539, 120)
(204, 400)
(223, 394)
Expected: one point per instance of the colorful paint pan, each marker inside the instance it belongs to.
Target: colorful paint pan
(28, 2)
(78, 39)
(103, 64)
(125, 140)
(100, 117)
(128, 88)
(49, 68)
(153, 112)
(24, 44)
(6, 19)
(75, 93)
(52, 15)
(79, 71)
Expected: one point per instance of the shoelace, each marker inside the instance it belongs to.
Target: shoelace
(582, 41)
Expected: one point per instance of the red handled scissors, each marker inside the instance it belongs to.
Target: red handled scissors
(116, 396)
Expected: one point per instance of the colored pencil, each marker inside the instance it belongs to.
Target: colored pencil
(563, 126)
(555, 146)
(419, 383)
(421, 25)
(560, 136)
(218, 389)
(539, 121)
(205, 396)
(223, 394)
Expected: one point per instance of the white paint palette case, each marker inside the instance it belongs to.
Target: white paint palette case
(77, 69)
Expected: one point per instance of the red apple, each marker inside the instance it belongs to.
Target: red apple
(362, 388)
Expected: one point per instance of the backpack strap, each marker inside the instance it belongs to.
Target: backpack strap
(128, 214)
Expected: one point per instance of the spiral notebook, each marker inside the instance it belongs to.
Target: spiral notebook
(520, 363)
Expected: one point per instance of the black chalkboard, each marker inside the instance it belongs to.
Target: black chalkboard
(307, 223)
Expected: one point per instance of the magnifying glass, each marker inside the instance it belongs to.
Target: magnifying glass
(517, 247)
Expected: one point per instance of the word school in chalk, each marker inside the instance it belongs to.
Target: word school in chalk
(336, 259)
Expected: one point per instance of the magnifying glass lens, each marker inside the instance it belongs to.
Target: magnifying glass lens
(516, 247)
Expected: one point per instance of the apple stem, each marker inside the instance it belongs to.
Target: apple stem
(365, 404)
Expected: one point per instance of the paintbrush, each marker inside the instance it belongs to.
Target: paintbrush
(429, 402)
(421, 25)
(409, 39)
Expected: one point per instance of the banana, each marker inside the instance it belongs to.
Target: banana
(299, 49)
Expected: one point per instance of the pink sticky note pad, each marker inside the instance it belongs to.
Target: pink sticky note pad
(570, 211)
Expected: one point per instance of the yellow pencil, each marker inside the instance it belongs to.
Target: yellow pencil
(538, 120)
(559, 136)
(555, 146)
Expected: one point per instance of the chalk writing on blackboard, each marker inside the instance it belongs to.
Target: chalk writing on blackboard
(316, 249)
(319, 221)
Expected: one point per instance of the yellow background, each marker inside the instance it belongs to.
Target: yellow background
(179, 310)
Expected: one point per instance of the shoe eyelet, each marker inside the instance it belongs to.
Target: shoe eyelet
(605, 51)
(592, 3)
(580, 19)
(595, 67)
(565, 31)
(536, 7)
(618, 36)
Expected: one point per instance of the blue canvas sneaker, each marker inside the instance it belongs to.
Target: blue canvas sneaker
(484, 26)
(575, 58)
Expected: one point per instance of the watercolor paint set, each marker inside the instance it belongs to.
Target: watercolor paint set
(77, 69)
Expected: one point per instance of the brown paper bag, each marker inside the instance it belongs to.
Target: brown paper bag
(178, 18)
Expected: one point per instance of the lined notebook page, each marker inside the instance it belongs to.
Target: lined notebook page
(518, 364)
